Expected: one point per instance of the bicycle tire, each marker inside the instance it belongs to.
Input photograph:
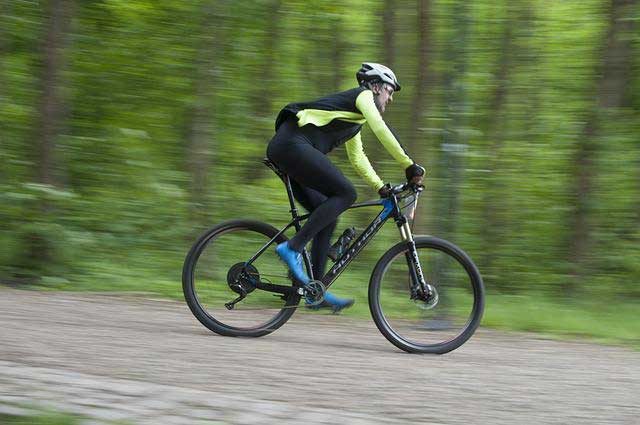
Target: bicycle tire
(436, 247)
(191, 293)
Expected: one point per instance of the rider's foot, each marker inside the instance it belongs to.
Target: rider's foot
(293, 260)
(334, 303)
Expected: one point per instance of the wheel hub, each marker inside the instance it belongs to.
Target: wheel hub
(426, 300)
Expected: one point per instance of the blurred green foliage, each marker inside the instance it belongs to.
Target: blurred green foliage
(161, 111)
(41, 419)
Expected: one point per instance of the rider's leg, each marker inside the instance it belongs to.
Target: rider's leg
(310, 168)
(310, 199)
(320, 248)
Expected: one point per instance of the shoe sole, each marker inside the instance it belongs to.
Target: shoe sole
(334, 310)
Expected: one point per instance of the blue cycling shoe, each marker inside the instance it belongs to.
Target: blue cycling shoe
(332, 302)
(293, 260)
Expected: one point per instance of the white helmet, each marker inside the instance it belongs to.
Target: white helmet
(371, 72)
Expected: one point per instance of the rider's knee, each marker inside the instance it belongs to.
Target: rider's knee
(350, 195)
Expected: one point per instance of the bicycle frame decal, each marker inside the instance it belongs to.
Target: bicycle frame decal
(416, 264)
(388, 207)
(360, 243)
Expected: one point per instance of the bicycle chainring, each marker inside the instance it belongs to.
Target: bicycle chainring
(314, 293)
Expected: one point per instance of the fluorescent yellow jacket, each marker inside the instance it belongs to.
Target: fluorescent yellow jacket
(338, 118)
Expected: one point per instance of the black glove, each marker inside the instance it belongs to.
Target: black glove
(384, 191)
(413, 170)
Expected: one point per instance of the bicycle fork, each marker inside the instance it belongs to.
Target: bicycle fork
(420, 289)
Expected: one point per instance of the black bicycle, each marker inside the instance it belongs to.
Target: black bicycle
(425, 294)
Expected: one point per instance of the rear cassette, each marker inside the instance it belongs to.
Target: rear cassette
(242, 278)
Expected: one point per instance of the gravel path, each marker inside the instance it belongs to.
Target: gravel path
(112, 358)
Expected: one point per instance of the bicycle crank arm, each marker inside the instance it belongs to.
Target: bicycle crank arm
(277, 308)
(232, 304)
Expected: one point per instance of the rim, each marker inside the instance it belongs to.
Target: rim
(248, 314)
(448, 321)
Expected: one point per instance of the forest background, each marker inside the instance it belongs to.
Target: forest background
(127, 127)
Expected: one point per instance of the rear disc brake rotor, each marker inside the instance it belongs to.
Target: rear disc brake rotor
(242, 277)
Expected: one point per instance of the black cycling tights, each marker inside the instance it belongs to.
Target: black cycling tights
(317, 184)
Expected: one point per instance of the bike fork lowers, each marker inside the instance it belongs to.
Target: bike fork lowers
(418, 283)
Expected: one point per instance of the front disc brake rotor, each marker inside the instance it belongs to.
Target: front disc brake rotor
(429, 301)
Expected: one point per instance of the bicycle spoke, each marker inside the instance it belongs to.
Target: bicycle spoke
(232, 296)
(436, 321)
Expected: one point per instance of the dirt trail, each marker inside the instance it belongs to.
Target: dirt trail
(150, 362)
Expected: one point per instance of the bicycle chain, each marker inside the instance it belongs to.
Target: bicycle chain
(297, 288)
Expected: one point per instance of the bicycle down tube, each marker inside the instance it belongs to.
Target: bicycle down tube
(352, 252)
(391, 209)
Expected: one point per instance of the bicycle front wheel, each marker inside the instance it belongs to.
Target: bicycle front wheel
(215, 274)
(440, 324)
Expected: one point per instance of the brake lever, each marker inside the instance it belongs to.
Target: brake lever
(415, 187)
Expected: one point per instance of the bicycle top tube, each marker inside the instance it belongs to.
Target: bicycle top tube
(388, 203)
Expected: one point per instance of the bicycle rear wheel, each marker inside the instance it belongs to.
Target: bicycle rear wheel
(215, 273)
(440, 324)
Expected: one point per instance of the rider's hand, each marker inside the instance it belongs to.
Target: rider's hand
(415, 173)
(384, 191)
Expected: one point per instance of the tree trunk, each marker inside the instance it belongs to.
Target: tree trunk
(495, 130)
(415, 144)
(614, 79)
(388, 32)
(3, 53)
(531, 59)
(4, 48)
(339, 47)
(202, 130)
(453, 142)
(636, 229)
(262, 127)
(270, 58)
(58, 21)
(422, 75)
(50, 108)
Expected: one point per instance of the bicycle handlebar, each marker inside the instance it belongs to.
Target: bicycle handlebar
(414, 187)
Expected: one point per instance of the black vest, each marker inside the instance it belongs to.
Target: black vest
(326, 137)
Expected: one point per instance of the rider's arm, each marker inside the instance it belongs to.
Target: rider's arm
(361, 163)
(366, 105)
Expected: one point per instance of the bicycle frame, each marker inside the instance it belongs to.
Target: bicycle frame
(391, 208)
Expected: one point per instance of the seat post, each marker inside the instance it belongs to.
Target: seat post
(287, 183)
(293, 210)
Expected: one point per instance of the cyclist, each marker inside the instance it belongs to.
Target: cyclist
(305, 133)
